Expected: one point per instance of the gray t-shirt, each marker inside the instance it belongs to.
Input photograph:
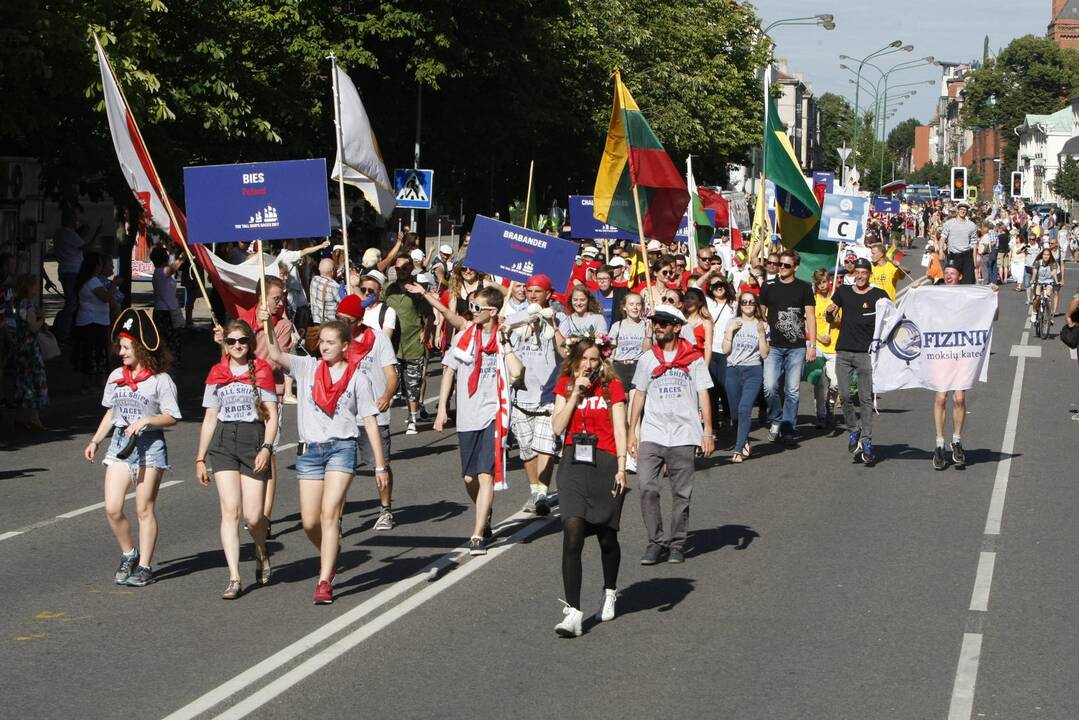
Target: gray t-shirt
(156, 396)
(588, 325)
(373, 366)
(671, 407)
(541, 361)
(356, 402)
(746, 344)
(477, 411)
(235, 402)
(629, 340)
(959, 234)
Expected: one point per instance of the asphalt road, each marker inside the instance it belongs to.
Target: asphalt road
(814, 588)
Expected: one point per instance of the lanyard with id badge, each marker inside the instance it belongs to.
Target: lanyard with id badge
(584, 443)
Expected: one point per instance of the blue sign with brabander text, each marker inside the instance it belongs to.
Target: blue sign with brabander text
(516, 253)
(257, 201)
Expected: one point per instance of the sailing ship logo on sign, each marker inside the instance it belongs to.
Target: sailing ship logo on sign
(265, 218)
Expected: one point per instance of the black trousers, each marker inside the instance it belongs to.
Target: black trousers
(965, 261)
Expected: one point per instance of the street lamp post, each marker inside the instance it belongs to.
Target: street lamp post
(892, 47)
(909, 65)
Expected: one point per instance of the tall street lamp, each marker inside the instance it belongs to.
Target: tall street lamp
(892, 47)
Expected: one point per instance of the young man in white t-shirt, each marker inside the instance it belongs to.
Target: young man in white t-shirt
(667, 415)
(379, 315)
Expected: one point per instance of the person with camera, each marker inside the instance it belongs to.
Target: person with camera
(590, 408)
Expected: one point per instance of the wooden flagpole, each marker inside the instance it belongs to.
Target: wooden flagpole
(528, 197)
(640, 234)
(163, 193)
(341, 170)
(262, 291)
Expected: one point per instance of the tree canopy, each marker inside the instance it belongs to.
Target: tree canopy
(503, 82)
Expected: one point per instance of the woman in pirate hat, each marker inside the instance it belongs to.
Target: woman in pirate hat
(140, 401)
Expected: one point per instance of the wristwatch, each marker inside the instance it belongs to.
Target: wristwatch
(267, 446)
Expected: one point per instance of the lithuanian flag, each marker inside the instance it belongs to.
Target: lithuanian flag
(797, 209)
(632, 157)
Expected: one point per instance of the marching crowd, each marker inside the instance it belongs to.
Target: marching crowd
(635, 367)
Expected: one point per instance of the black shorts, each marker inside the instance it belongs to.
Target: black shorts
(477, 451)
(234, 447)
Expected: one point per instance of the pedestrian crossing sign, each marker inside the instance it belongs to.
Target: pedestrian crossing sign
(413, 188)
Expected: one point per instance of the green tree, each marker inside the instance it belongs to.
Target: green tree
(1066, 183)
(932, 173)
(1031, 75)
(901, 140)
(836, 124)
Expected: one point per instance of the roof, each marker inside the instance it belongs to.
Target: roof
(1069, 12)
(1058, 122)
(1071, 148)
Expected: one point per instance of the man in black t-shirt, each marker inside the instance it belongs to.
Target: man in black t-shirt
(789, 302)
(858, 303)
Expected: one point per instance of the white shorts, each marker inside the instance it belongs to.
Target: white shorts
(533, 432)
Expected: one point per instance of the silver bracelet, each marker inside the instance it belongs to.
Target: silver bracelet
(381, 468)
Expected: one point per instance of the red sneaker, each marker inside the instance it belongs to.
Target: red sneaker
(323, 593)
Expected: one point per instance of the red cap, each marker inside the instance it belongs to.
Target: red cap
(352, 306)
(540, 281)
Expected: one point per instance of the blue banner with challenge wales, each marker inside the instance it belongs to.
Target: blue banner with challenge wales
(257, 201)
(513, 252)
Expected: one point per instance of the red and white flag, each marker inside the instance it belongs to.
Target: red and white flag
(141, 175)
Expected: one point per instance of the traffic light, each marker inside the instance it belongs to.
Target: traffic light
(959, 184)
(1017, 184)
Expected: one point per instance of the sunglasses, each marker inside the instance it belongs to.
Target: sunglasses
(748, 302)
(473, 307)
(786, 266)
(771, 262)
(230, 341)
(670, 300)
(367, 291)
(664, 273)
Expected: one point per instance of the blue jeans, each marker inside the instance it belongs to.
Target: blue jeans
(783, 410)
(743, 382)
(721, 407)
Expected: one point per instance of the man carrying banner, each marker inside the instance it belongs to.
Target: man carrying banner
(953, 276)
(532, 357)
(857, 308)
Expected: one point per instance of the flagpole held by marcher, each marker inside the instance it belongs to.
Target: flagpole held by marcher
(640, 234)
(528, 196)
(262, 286)
(161, 189)
(341, 164)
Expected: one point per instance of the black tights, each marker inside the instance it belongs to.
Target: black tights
(574, 531)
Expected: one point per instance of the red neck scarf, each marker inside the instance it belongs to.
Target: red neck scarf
(221, 374)
(474, 336)
(361, 344)
(132, 380)
(326, 392)
(684, 355)
(251, 317)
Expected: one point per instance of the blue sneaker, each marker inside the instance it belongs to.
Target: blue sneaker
(867, 453)
(852, 444)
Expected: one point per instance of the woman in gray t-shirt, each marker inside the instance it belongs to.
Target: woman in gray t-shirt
(586, 316)
(745, 343)
(631, 337)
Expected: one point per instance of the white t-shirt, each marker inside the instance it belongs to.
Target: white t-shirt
(288, 259)
(91, 309)
(721, 315)
(541, 361)
(356, 402)
(371, 315)
(671, 407)
(373, 366)
(165, 290)
(68, 246)
(156, 396)
(478, 411)
(629, 340)
(588, 325)
(235, 402)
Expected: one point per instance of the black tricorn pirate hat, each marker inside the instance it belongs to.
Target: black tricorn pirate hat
(138, 325)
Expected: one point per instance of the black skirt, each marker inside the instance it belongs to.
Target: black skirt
(584, 491)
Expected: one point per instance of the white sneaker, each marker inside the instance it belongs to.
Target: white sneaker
(410, 428)
(571, 623)
(631, 463)
(606, 612)
(385, 520)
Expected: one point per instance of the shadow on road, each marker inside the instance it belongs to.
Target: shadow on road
(393, 569)
(712, 539)
(661, 594)
(24, 473)
(902, 451)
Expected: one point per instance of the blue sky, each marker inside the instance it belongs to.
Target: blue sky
(951, 30)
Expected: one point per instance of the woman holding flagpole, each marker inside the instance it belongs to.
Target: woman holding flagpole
(237, 442)
(140, 402)
(474, 356)
(333, 400)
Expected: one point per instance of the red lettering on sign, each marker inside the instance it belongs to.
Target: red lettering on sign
(253, 191)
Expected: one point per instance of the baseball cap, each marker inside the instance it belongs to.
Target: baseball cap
(416, 255)
(590, 252)
(540, 281)
(445, 249)
(425, 278)
(668, 314)
(963, 203)
(617, 261)
(862, 264)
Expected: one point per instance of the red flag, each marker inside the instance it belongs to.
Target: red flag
(711, 199)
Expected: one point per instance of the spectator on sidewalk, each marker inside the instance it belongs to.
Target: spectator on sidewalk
(68, 248)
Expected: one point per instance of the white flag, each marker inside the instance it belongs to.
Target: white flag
(134, 159)
(939, 338)
(363, 163)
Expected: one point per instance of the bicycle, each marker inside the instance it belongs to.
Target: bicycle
(1043, 310)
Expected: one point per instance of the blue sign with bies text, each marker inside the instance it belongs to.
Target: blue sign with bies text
(513, 252)
(257, 201)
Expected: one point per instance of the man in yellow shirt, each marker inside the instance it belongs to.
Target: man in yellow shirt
(886, 274)
(827, 335)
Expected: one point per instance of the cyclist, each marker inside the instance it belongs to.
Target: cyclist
(1046, 277)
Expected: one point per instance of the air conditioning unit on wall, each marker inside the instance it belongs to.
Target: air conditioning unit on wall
(19, 178)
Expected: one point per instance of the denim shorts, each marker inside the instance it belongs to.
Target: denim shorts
(321, 458)
(150, 450)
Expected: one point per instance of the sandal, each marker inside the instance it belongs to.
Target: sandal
(746, 449)
(263, 573)
(737, 458)
(232, 591)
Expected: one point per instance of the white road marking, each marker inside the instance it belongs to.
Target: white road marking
(966, 675)
(11, 534)
(1026, 351)
(983, 581)
(430, 574)
(1007, 447)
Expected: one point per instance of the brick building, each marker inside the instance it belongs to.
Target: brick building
(1064, 24)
